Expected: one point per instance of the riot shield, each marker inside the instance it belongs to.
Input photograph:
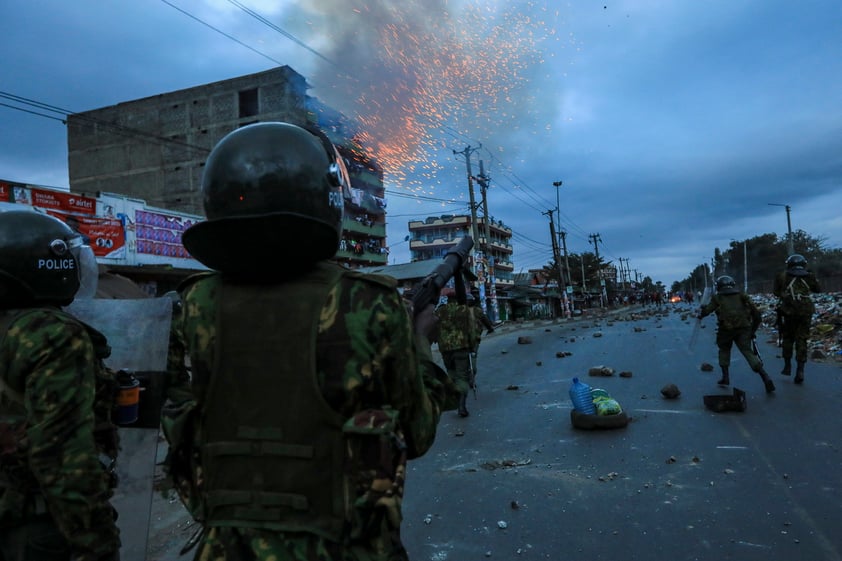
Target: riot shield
(138, 333)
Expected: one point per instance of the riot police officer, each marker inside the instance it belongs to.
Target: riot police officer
(55, 401)
(737, 321)
(793, 287)
(311, 389)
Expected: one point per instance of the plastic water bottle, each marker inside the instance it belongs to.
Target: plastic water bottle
(580, 395)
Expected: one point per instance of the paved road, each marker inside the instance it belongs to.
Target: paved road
(680, 482)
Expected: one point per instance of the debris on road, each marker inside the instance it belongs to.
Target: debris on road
(670, 391)
(604, 371)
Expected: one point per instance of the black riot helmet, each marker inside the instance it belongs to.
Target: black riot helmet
(726, 285)
(40, 260)
(273, 198)
(796, 265)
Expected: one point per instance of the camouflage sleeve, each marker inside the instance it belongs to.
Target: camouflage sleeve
(710, 307)
(385, 348)
(177, 377)
(55, 364)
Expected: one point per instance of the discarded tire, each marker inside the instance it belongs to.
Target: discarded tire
(591, 422)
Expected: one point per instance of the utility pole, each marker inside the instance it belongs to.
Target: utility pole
(568, 307)
(555, 252)
(623, 271)
(789, 243)
(563, 235)
(596, 239)
(474, 230)
(483, 179)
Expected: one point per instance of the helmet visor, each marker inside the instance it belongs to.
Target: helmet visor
(88, 268)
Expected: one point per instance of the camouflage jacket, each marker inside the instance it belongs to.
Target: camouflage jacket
(733, 311)
(367, 357)
(48, 380)
(458, 329)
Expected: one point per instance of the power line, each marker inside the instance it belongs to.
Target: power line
(274, 27)
(231, 37)
(120, 129)
(33, 112)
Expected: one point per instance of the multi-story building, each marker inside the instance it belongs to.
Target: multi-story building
(155, 149)
(433, 237)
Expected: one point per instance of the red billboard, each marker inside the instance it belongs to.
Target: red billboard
(59, 200)
(106, 236)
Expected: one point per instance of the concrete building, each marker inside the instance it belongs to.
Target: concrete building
(155, 149)
(433, 237)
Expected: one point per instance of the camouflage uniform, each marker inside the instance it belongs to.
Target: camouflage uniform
(796, 311)
(482, 323)
(457, 337)
(737, 320)
(370, 369)
(54, 492)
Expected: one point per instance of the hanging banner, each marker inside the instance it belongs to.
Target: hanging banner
(106, 236)
(59, 200)
(160, 234)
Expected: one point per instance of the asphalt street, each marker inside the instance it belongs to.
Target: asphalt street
(516, 480)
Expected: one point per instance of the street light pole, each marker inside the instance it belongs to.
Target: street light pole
(789, 244)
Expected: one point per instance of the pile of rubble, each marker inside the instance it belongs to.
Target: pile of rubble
(826, 330)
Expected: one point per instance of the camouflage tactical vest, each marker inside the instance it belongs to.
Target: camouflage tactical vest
(277, 467)
(796, 299)
(457, 327)
(734, 312)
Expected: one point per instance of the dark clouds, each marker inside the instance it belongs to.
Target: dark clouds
(672, 127)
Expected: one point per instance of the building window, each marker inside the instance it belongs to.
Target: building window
(248, 103)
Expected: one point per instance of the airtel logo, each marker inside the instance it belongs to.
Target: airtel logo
(80, 203)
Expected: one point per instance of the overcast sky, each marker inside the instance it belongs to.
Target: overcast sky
(671, 125)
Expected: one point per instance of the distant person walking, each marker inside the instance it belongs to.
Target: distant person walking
(483, 323)
(457, 334)
(737, 321)
(795, 312)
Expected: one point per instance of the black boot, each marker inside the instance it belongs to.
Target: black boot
(787, 367)
(799, 372)
(463, 408)
(770, 385)
(726, 378)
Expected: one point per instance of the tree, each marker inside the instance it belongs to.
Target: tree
(766, 256)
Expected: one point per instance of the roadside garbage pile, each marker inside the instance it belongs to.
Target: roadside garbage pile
(826, 331)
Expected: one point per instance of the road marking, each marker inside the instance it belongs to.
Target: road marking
(823, 541)
(732, 447)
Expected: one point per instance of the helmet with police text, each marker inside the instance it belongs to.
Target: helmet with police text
(41, 260)
(273, 198)
(726, 285)
(796, 265)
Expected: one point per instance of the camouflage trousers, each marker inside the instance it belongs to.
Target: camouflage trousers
(458, 366)
(36, 540)
(725, 338)
(795, 332)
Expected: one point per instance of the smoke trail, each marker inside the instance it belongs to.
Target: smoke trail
(418, 73)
